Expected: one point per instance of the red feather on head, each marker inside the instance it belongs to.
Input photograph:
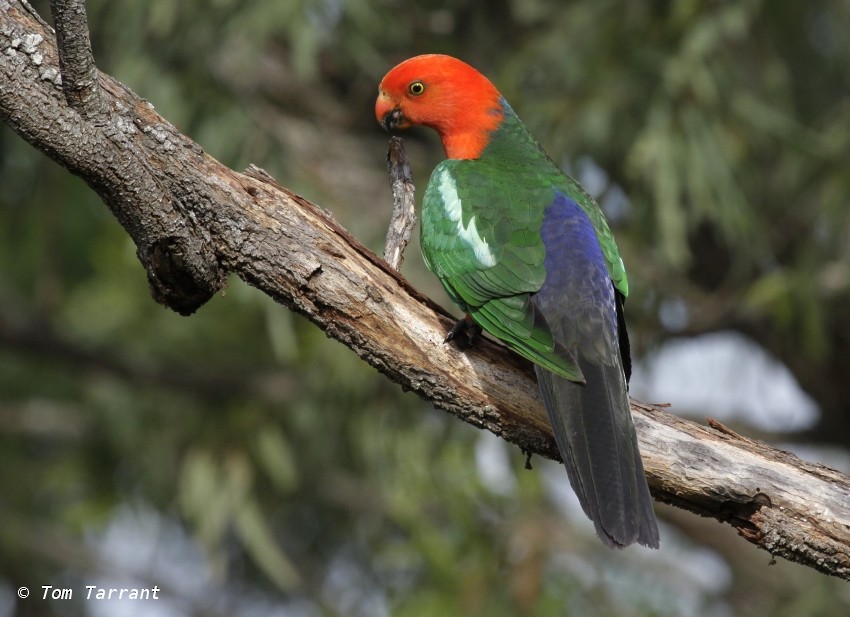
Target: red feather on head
(445, 94)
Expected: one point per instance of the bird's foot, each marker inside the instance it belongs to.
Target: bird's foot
(464, 333)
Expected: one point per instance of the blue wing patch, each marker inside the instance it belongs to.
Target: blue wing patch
(577, 297)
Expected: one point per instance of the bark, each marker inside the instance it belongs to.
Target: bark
(403, 218)
(194, 220)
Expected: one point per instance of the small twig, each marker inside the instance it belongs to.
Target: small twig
(258, 173)
(29, 9)
(76, 61)
(404, 213)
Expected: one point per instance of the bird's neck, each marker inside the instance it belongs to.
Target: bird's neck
(466, 133)
(505, 139)
(466, 145)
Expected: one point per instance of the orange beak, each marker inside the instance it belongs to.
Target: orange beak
(389, 114)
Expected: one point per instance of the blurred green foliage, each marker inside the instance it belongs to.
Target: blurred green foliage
(309, 479)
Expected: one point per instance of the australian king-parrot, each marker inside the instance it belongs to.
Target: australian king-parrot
(527, 254)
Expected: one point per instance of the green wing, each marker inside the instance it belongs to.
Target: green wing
(482, 240)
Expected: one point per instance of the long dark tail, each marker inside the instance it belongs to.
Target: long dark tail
(596, 437)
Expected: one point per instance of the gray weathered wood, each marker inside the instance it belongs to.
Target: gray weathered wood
(403, 216)
(193, 220)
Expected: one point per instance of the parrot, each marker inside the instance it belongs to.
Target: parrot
(527, 254)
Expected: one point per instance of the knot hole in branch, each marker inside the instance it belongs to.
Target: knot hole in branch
(183, 273)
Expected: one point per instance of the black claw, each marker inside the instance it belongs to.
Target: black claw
(464, 333)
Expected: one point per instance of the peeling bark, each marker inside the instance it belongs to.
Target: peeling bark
(194, 220)
(403, 218)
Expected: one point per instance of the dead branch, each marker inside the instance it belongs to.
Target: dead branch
(76, 62)
(404, 206)
(193, 220)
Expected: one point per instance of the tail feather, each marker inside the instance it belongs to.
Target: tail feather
(597, 440)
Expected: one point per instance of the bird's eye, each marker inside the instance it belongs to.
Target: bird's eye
(416, 88)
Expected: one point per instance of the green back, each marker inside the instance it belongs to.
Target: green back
(481, 224)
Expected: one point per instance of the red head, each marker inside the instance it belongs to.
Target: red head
(445, 94)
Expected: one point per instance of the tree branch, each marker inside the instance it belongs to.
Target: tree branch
(193, 220)
(403, 217)
(76, 62)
